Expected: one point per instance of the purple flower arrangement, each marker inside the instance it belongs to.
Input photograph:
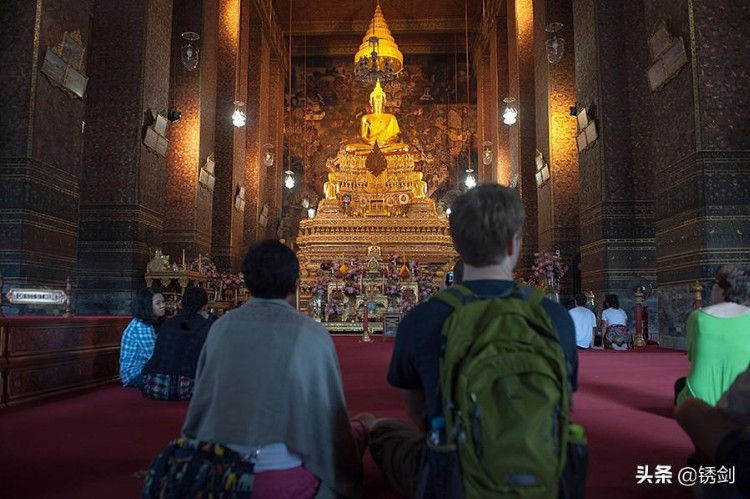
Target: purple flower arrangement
(548, 265)
(320, 286)
(334, 308)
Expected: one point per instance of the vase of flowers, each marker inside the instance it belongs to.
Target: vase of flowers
(548, 269)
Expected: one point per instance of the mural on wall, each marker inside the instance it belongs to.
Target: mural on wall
(428, 99)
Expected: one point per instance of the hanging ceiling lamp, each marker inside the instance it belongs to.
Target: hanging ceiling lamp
(555, 45)
(238, 116)
(289, 174)
(189, 52)
(378, 57)
(470, 181)
(509, 113)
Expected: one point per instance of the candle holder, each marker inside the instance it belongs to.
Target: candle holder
(366, 337)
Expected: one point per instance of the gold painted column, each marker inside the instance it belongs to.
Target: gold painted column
(558, 205)
(256, 131)
(232, 53)
(522, 135)
(188, 214)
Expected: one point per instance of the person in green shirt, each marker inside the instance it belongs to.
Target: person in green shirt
(718, 338)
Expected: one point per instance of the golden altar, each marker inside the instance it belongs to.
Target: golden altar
(377, 216)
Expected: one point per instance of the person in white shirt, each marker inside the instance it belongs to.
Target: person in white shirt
(615, 325)
(584, 321)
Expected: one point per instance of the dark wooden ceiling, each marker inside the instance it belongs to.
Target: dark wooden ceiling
(418, 26)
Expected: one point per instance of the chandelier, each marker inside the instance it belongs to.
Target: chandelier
(378, 57)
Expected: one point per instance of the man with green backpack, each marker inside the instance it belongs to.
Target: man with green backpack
(486, 370)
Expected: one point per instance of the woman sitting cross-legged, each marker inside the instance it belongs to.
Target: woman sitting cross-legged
(615, 325)
(137, 342)
(170, 373)
(718, 338)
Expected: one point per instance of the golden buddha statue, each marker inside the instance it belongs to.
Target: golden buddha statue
(331, 187)
(378, 126)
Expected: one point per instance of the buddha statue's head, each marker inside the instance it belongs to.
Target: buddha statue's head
(377, 98)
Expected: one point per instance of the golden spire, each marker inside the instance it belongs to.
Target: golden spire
(378, 39)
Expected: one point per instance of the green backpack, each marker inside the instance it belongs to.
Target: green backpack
(505, 394)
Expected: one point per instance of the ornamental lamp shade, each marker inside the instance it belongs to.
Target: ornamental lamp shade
(385, 45)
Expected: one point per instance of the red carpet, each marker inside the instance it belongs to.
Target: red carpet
(89, 445)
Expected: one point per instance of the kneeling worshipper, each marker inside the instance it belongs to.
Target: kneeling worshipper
(170, 373)
(615, 325)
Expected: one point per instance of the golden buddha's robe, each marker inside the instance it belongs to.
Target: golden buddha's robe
(381, 128)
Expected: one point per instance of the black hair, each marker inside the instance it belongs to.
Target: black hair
(193, 300)
(270, 269)
(612, 301)
(143, 305)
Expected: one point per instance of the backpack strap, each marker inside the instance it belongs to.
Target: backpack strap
(458, 296)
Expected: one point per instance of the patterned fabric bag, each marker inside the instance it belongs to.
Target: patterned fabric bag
(188, 468)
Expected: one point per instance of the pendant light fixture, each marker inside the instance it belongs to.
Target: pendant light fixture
(555, 45)
(189, 52)
(289, 173)
(509, 112)
(238, 116)
(470, 181)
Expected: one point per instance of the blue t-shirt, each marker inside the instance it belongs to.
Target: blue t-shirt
(415, 364)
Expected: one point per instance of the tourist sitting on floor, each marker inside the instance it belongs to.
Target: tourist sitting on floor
(718, 338)
(170, 372)
(584, 321)
(485, 225)
(721, 436)
(615, 325)
(268, 379)
(137, 343)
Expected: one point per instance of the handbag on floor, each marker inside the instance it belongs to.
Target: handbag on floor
(189, 468)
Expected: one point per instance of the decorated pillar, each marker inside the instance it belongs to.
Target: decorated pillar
(256, 210)
(232, 56)
(191, 169)
(41, 140)
(522, 134)
(556, 155)
(122, 201)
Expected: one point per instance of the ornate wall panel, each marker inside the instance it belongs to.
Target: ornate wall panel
(47, 357)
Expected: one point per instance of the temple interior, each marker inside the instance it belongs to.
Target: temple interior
(155, 141)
